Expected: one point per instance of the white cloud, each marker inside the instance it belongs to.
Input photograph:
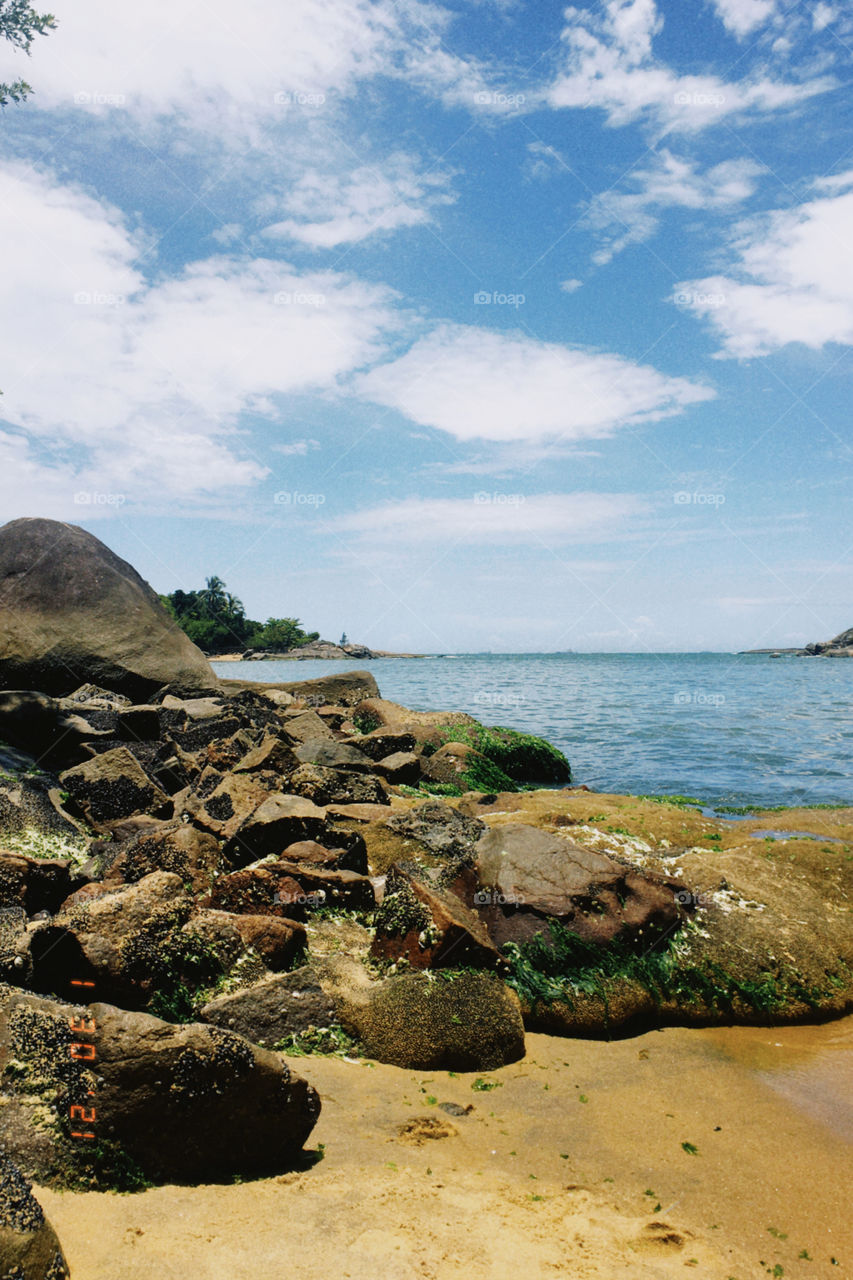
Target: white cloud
(822, 16)
(497, 519)
(142, 384)
(669, 181)
(479, 385)
(330, 209)
(792, 280)
(297, 448)
(232, 71)
(543, 161)
(203, 60)
(743, 16)
(610, 64)
(571, 286)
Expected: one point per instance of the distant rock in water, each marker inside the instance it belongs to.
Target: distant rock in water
(841, 646)
(72, 612)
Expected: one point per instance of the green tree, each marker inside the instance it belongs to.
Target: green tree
(216, 621)
(20, 24)
(282, 633)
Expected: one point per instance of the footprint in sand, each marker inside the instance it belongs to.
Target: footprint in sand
(421, 1129)
(659, 1238)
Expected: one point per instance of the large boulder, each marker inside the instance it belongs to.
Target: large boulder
(29, 1249)
(185, 1102)
(528, 877)
(74, 612)
(223, 1106)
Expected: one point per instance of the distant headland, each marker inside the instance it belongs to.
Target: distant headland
(841, 646)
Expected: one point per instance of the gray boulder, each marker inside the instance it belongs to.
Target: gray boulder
(75, 613)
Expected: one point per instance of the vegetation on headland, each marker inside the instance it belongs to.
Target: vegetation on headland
(216, 621)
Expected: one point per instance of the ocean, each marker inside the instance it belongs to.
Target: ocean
(723, 728)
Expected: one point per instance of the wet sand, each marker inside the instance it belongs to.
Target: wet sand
(573, 1166)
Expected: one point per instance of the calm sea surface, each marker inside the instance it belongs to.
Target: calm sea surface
(723, 728)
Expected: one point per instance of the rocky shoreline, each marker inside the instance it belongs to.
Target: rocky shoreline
(322, 650)
(841, 646)
(200, 877)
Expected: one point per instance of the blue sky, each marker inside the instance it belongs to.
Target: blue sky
(462, 326)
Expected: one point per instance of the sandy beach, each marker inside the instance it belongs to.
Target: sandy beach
(574, 1165)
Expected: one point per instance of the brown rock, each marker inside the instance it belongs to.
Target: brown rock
(263, 890)
(429, 927)
(527, 876)
(275, 1008)
(119, 940)
(192, 1102)
(402, 767)
(335, 786)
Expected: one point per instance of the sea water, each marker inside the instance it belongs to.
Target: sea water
(723, 728)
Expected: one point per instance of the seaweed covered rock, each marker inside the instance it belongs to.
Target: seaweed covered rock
(455, 1021)
(74, 612)
(29, 1249)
